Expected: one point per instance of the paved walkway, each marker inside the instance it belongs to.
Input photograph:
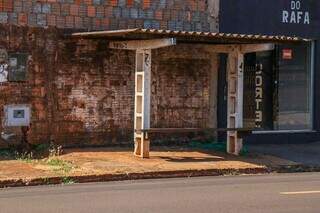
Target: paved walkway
(307, 154)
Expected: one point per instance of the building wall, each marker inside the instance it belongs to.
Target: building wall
(81, 93)
(191, 15)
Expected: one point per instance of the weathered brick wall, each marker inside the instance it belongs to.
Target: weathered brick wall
(94, 90)
(180, 87)
(82, 93)
(110, 14)
(41, 45)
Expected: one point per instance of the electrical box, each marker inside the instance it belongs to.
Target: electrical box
(18, 63)
(17, 115)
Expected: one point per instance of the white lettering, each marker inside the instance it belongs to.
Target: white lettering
(259, 96)
(259, 92)
(306, 18)
(298, 5)
(296, 15)
(258, 117)
(299, 16)
(258, 81)
(285, 15)
(293, 5)
(293, 18)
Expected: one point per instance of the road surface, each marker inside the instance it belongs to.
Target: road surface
(250, 194)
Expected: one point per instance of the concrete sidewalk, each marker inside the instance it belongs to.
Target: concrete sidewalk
(103, 164)
(304, 154)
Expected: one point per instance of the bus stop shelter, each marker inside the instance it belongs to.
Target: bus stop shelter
(142, 41)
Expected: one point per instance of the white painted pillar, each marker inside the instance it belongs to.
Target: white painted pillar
(235, 100)
(142, 102)
(142, 87)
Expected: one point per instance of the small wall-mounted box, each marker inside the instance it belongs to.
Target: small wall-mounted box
(17, 115)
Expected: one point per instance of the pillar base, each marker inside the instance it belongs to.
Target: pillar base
(142, 148)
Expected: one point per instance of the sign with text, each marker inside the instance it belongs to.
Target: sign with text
(271, 17)
(259, 96)
(287, 54)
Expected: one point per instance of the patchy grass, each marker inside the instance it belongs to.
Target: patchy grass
(59, 165)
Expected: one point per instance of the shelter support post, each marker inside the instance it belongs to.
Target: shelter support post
(235, 100)
(142, 93)
(142, 102)
(235, 75)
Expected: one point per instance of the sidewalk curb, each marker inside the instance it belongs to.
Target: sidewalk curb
(156, 175)
(131, 176)
(295, 169)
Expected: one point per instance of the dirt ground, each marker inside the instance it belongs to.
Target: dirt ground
(78, 162)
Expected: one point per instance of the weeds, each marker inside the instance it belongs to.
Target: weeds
(55, 150)
(67, 180)
(25, 156)
(15, 152)
(60, 165)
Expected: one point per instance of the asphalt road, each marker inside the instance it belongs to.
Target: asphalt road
(269, 193)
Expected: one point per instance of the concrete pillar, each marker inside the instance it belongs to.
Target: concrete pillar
(235, 100)
(142, 102)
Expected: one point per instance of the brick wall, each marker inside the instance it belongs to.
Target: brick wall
(82, 93)
(180, 87)
(109, 14)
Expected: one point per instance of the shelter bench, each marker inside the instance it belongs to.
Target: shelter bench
(241, 133)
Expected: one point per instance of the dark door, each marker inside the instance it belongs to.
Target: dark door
(222, 96)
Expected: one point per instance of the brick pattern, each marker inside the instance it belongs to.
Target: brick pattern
(82, 93)
(190, 15)
(180, 87)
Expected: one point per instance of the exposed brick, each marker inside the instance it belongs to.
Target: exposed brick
(52, 20)
(17, 6)
(7, 5)
(74, 10)
(154, 14)
(65, 9)
(78, 22)
(3, 17)
(22, 19)
(41, 20)
(69, 22)
(91, 11)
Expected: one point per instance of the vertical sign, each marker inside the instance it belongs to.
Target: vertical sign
(259, 96)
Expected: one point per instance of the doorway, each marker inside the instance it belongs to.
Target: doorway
(258, 90)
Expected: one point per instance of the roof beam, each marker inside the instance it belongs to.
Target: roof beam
(221, 48)
(249, 48)
(142, 44)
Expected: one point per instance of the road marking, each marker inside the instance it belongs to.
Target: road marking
(300, 193)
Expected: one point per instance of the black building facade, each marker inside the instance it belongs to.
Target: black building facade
(281, 87)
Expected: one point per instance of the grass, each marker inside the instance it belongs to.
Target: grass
(67, 181)
(60, 165)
